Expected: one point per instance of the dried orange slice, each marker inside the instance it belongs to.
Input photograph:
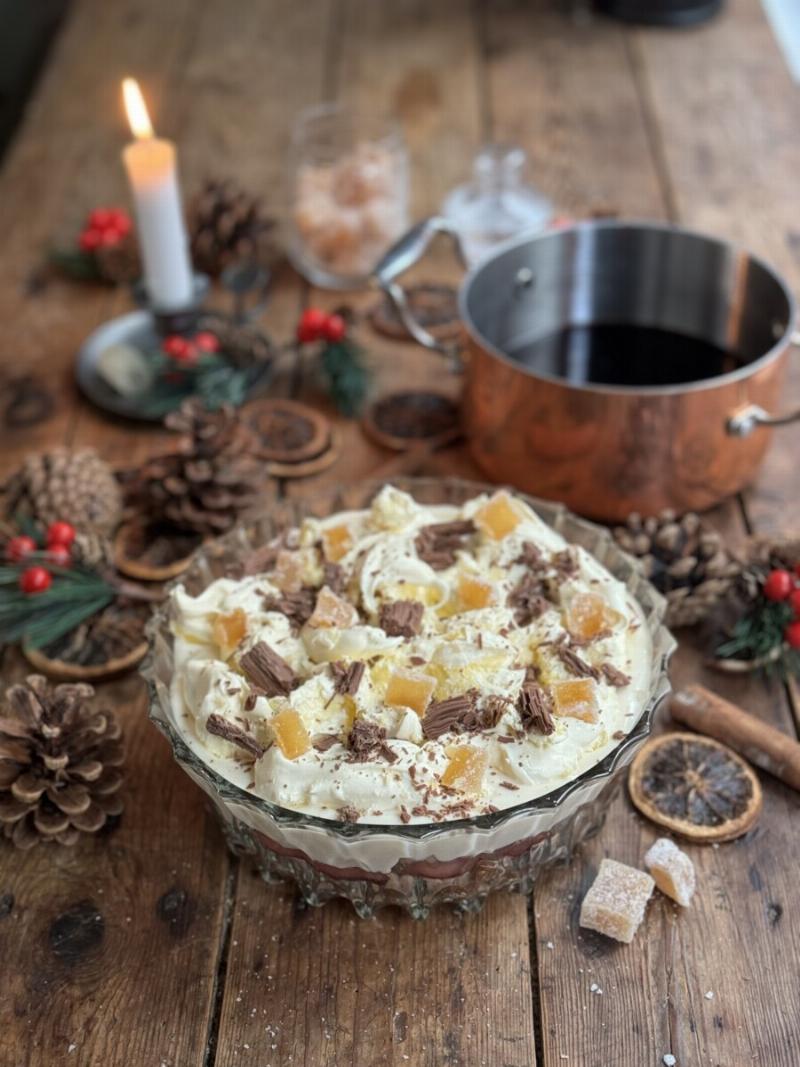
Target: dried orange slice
(696, 787)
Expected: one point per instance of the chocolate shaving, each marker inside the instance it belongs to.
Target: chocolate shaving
(298, 607)
(526, 600)
(509, 785)
(334, 577)
(401, 618)
(530, 556)
(460, 713)
(573, 662)
(613, 676)
(404, 814)
(268, 671)
(565, 562)
(438, 542)
(535, 706)
(619, 735)
(348, 813)
(322, 742)
(215, 724)
(347, 678)
(367, 741)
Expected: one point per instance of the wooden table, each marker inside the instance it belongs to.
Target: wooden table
(152, 946)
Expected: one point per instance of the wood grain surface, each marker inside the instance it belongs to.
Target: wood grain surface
(150, 945)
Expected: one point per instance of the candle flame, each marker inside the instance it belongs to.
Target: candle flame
(136, 109)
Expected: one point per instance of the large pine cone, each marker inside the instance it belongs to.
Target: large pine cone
(77, 487)
(243, 346)
(227, 225)
(213, 478)
(59, 763)
(685, 559)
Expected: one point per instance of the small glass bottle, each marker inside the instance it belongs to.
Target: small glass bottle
(497, 204)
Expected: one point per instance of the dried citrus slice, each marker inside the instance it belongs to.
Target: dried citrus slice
(696, 787)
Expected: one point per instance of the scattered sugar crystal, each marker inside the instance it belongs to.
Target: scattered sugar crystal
(549, 944)
(615, 902)
(669, 1060)
(709, 995)
(595, 988)
(672, 870)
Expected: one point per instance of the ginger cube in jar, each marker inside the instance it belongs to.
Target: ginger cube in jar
(466, 769)
(474, 593)
(410, 689)
(576, 698)
(228, 630)
(588, 615)
(331, 610)
(291, 735)
(498, 517)
(336, 542)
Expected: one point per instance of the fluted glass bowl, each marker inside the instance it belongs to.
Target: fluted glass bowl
(418, 865)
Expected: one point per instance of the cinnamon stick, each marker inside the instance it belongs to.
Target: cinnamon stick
(762, 744)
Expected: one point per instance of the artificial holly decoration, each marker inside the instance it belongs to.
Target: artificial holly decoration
(106, 249)
(778, 585)
(59, 764)
(35, 580)
(340, 358)
(19, 547)
(60, 533)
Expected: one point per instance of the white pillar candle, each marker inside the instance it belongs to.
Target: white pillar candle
(152, 171)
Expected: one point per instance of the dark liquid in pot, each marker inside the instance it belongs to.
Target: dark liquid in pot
(608, 354)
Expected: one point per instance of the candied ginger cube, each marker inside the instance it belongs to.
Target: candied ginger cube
(672, 870)
(577, 698)
(408, 689)
(588, 615)
(498, 516)
(289, 571)
(332, 610)
(474, 593)
(291, 735)
(336, 542)
(615, 902)
(228, 630)
(466, 769)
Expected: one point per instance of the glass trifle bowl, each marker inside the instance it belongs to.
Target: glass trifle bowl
(412, 863)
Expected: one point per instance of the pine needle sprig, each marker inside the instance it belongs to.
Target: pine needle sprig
(345, 369)
(759, 636)
(41, 618)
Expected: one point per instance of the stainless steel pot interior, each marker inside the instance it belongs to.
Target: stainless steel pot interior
(619, 273)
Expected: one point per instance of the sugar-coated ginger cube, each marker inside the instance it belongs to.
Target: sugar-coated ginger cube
(291, 735)
(290, 569)
(228, 630)
(576, 698)
(498, 516)
(332, 610)
(410, 689)
(616, 900)
(336, 542)
(672, 870)
(466, 769)
(588, 615)
(474, 593)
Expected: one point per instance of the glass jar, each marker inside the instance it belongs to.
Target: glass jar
(348, 194)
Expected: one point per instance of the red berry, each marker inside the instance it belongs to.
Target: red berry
(778, 585)
(89, 240)
(20, 547)
(311, 325)
(59, 555)
(99, 218)
(60, 533)
(121, 221)
(794, 602)
(179, 349)
(335, 328)
(792, 634)
(110, 236)
(207, 341)
(35, 580)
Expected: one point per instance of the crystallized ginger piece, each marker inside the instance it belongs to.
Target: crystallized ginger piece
(474, 593)
(615, 902)
(576, 698)
(672, 870)
(498, 516)
(336, 542)
(589, 615)
(332, 610)
(291, 735)
(409, 689)
(466, 769)
(291, 570)
(228, 630)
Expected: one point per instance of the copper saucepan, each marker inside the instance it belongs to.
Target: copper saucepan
(607, 450)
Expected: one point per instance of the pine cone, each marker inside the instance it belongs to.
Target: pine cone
(684, 559)
(213, 478)
(78, 487)
(226, 225)
(59, 763)
(243, 346)
(92, 550)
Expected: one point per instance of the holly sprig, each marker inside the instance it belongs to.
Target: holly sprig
(341, 359)
(769, 634)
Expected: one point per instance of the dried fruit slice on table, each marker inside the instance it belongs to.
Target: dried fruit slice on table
(696, 787)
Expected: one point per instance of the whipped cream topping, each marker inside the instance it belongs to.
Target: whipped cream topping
(494, 662)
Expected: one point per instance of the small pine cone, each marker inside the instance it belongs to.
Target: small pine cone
(76, 487)
(59, 764)
(92, 550)
(120, 263)
(686, 560)
(226, 226)
(243, 346)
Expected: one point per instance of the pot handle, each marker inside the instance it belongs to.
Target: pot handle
(407, 251)
(750, 417)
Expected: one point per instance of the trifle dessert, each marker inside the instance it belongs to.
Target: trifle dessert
(410, 663)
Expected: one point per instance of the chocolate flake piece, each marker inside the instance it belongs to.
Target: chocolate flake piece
(348, 813)
(347, 678)
(367, 741)
(268, 671)
(322, 742)
(535, 706)
(438, 542)
(250, 700)
(334, 577)
(613, 676)
(530, 556)
(509, 785)
(619, 735)
(565, 562)
(527, 600)
(404, 814)
(573, 662)
(442, 716)
(401, 618)
(215, 724)
(298, 607)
